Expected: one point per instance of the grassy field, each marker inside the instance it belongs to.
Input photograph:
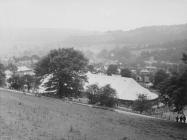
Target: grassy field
(24, 117)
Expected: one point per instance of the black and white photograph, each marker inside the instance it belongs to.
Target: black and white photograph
(93, 69)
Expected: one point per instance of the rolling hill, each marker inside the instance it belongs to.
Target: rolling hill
(35, 40)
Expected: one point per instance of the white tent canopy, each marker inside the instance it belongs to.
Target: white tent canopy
(126, 88)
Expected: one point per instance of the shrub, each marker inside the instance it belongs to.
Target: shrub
(112, 69)
(126, 73)
(107, 96)
(141, 104)
(92, 92)
(104, 96)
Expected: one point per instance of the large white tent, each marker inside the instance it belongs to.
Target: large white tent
(126, 88)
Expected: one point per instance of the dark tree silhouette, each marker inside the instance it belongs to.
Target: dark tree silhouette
(159, 77)
(126, 73)
(141, 104)
(112, 69)
(67, 67)
(174, 90)
(93, 93)
(184, 58)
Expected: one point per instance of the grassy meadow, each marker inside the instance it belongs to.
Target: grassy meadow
(24, 117)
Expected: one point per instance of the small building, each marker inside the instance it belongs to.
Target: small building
(23, 70)
(145, 74)
(151, 69)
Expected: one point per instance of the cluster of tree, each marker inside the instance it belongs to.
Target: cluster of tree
(114, 69)
(25, 82)
(173, 89)
(68, 68)
(141, 104)
(169, 52)
(104, 96)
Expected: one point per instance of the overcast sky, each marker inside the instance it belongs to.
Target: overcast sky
(91, 14)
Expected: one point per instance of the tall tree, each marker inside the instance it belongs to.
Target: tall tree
(174, 90)
(2, 75)
(159, 77)
(67, 67)
(93, 93)
(184, 58)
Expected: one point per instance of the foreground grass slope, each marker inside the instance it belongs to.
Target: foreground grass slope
(24, 117)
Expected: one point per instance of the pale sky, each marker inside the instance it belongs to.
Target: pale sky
(98, 15)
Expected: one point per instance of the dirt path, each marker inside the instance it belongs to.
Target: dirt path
(24, 117)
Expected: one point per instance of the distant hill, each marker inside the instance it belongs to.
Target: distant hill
(42, 40)
(33, 40)
(144, 35)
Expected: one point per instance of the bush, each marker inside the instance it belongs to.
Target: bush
(126, 73)
(107, 96)
(141, 104)
(104, 96)
(112, 69)
(93, 91)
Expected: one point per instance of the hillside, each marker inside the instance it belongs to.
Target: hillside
(24, 41)
(25, 117)
(144, 35)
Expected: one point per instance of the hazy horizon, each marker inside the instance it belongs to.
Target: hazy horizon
(91, 15)
(52, 23)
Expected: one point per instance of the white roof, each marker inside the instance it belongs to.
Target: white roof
(23, 68)
(144, 71)
(151, 67)
(126, 88)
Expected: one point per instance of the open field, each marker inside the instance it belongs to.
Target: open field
(24, 117)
